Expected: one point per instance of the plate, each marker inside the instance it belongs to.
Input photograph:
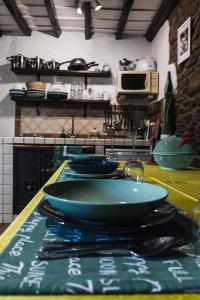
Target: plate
(104, 200)
(72, 174)
(163, 214)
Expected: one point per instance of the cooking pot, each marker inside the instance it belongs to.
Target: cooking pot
(146, 64)
(36, 63)
(78, 64)
(54, 65)
(18, 61)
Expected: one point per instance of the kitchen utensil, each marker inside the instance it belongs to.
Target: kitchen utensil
(147, 247)
(104, 199)
(18, 61)
(54, 65)
(78, 64)
(37, 63)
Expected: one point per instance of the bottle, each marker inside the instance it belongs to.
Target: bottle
(63, 134)
(94, 133)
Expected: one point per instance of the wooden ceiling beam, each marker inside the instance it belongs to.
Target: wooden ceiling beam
(160, 17)
(17, 15)
(53, 17)
(123, 18)
(87, 18)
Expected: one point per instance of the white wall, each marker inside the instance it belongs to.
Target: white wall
(160, 50)
(101, 48)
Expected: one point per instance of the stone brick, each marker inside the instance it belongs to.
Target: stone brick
(196, 44)
(194, 83)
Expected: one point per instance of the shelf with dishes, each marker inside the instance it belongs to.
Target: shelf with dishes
(83, 73)
(28, 101)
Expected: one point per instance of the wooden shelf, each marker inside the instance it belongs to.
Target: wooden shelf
(27, 100)
(20, 71)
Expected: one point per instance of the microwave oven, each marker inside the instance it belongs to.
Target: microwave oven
(138, 82)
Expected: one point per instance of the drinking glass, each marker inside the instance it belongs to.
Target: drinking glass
(134, 170)
(196, 213)
(111, 154)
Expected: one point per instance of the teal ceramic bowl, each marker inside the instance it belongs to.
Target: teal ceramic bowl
(170, 156)
(104, 200)
(93, 166)
(86, 157)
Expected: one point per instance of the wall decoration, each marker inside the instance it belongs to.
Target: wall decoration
(184, 41)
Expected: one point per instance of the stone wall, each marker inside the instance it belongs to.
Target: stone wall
(188, 72)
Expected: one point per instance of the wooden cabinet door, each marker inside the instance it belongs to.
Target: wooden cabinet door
(31, 167)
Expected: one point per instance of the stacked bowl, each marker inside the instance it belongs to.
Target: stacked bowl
(36, 89)
(17, 93)
(92, 166)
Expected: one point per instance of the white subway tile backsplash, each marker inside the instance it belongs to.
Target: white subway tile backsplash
(100, 142)
(89, 141)
(39, 140)
(1, 159)
(18, 140)
(1, 218)
(8, 189)
(29, 140)
(1, 190)
(7, 208)
(7, 218)
(80, 141)
(1, 168)
(69, 141)
(8, 169)
(1, 149)
(8, 179)
(60, 141)
(8, 159)
(8, 140)
(128, 142)
(119, 142)
(8, 149)
(108, 142)
(7, 199)
(1, 178)
(49, 140)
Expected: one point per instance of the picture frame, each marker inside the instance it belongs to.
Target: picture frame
(184, 41)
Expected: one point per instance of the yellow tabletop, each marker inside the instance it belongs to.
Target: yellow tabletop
(184, 190)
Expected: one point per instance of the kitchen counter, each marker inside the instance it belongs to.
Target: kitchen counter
(6, 160)
(183, 190)
(118, 141)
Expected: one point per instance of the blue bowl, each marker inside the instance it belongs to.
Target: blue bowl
(86, 157)
(93, 166)
(104, 200)
(171, 156)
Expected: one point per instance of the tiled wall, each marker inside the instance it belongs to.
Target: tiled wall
(6, 179)
(51, 120)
